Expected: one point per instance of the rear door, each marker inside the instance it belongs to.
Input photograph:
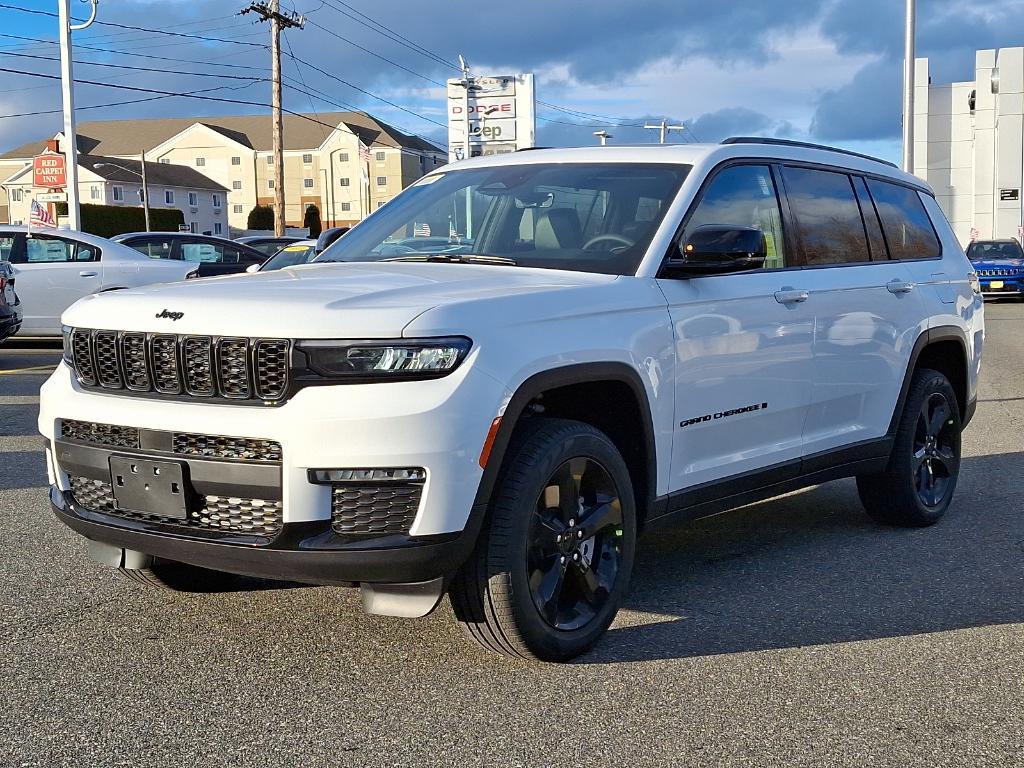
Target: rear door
(868, 310)
(52, 273)
(743, 344)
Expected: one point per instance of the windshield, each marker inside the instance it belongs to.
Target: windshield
(982, 251)
(289, 256)
(589, 217)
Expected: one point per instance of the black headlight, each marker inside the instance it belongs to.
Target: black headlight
(384, 360)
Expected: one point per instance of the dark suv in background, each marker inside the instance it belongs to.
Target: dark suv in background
(213, 255)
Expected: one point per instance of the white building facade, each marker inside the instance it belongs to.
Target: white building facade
(969, 145)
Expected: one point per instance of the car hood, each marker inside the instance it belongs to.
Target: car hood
(338, 300)
(996, 263)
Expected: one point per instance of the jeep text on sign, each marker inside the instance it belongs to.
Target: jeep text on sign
(49, 171)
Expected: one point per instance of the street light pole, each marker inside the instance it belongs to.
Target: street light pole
(908, 87)
(603, 136)
(67, 84)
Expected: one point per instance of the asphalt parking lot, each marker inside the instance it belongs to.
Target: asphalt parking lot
(792, 632)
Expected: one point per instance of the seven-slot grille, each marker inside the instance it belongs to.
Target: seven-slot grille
(1002, 272)
(199, 366)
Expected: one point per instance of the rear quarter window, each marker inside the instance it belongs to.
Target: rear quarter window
(908, 230)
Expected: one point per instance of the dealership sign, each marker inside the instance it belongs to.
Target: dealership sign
(49, 171)
(493, 115)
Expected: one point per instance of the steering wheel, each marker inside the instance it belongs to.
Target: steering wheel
(623, 241)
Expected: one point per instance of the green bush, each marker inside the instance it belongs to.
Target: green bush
(110, 220)
(261, 217)
(312, 221)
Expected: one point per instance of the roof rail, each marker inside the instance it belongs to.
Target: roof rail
(804, 144)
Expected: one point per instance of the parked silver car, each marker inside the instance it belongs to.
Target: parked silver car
(54, 268)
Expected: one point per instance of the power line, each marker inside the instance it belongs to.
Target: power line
(136, 28)
(119, 103)
(136, 69)
(354, 44)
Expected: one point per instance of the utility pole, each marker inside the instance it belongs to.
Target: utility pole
(145, 192)
(67, 83)
(908, 87)
(663, 129)
(603, 136)
(271, 11)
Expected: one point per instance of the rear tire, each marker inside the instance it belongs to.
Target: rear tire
(552, 565)
(917, 487)
(179, 577)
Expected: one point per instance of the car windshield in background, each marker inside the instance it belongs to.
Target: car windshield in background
(290, 256)
(983, 251)
(588, 217)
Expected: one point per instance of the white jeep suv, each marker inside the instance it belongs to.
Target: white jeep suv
(495, 382)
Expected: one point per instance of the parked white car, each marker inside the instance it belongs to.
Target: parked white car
(54, 268)
(605, 339)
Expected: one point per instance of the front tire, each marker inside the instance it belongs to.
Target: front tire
(917, 487)
(552, 565)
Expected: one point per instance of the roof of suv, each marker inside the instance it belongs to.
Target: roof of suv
(701, 156)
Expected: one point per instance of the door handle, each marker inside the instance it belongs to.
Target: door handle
(86, 273)
(791, 295)
(899, 286)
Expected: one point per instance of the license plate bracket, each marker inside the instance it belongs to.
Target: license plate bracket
(151, 487)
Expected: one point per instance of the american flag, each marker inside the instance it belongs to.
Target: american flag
(420, 230)
(40, 217)
(364, 152)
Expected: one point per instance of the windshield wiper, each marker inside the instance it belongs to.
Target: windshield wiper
(458, 258)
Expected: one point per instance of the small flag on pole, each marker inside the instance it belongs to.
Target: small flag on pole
(420, 230)
(364, 152)
(40, 217)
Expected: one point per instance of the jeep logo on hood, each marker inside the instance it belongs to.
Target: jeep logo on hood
(170, 315)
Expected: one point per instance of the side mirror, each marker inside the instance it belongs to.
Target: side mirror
(253, 268)
(716, 249)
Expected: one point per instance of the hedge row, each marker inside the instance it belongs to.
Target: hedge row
(110, 220)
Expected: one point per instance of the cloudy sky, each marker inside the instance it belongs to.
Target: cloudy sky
(821, 71)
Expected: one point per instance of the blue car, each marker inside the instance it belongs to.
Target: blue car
(1000, 266)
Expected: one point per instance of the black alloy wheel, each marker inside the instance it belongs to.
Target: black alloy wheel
(575, 549)
(935, 459)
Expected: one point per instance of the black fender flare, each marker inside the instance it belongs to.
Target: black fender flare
(928, 337)
(580, 373)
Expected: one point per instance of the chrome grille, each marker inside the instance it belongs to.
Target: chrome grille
(197, 352)
(374, 509)
(1004, 272)
(220, 513)
(108, 371)
(136, 368)
(200, 366)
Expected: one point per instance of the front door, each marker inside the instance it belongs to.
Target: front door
(743, 345)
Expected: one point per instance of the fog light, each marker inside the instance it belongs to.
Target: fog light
(332, 476)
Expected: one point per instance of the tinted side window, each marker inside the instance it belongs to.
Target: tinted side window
(908, 230)
(203, 253)
(827, 216)
(744, 196)
(154, 249)
(870, 216)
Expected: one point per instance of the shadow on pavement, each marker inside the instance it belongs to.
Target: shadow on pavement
(812, 568)
(22, 469)
(19, 420)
